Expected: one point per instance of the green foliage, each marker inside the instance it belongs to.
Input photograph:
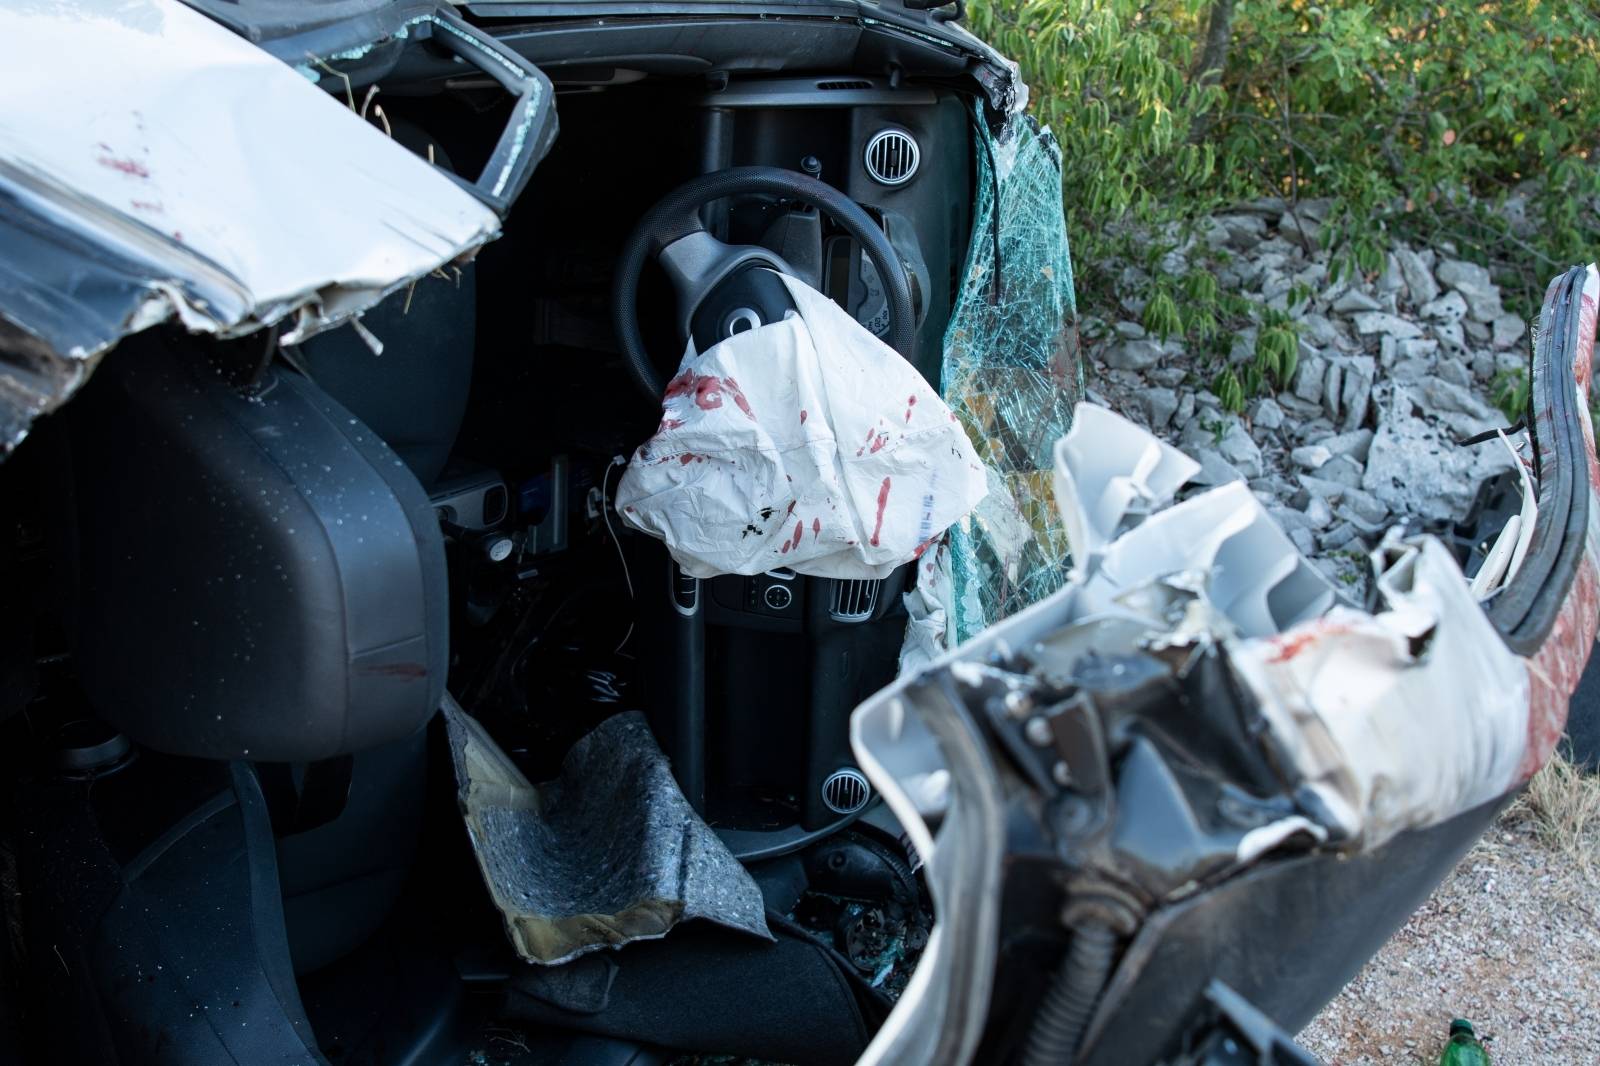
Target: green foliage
(1412, 118)
(1109, 78)
(1511, 392)
(1231, 391)
(1161, 314)
(1201, 307)
(1277, 349)
(1200, 287)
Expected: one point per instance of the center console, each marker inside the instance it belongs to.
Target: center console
(759, 675)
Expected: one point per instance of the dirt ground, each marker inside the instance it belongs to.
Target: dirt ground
(1511, 941)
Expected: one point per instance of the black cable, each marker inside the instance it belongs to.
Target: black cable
(1490, 434)
(793, 844)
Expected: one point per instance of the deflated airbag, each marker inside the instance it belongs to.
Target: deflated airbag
(805, 443)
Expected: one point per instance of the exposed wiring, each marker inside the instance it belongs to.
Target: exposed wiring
(787, 844)
(605, 516)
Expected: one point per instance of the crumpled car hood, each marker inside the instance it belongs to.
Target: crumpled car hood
(182, 173)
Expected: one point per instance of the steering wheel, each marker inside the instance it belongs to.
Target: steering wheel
(727, 288)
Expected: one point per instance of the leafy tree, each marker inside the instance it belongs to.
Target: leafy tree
(1465, 121)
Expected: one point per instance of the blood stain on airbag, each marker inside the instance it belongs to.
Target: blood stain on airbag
(883, 501)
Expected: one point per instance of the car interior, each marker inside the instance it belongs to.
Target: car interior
(241, 576)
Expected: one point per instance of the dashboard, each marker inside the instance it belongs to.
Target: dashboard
(902, 153)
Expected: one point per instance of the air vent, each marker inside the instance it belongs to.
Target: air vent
(892, 157)
(846, 791)
(853, 600)
(841, 86)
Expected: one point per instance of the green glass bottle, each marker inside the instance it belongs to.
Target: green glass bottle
(1463, 1048)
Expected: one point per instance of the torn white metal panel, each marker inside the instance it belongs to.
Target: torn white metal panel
(935, 772)
(805, 443)
(173, 169)
(1111, 469)
(1251, 571)
(1401, 718)
(1398, 719)
(1110, 472)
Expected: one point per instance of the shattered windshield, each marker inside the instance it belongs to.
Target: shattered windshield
(1012, 375)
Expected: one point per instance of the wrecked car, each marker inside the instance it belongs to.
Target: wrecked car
(569, 532)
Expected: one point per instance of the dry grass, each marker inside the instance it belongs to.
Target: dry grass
(1561, 806)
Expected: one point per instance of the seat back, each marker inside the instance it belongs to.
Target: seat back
(261, 577)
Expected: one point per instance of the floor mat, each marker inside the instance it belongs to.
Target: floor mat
(607, 853)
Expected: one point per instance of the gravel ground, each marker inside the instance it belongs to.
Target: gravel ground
(1510, 941)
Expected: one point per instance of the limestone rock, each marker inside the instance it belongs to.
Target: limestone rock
(1355, 390)
(1415, 468)
(1420, 282)
(1450, 335)
(1457, 406)
(1310, 456)
(1356, 444)
(1134, 354)
(1355, 300)
(1342, 471)
(1266, 414)
(1451, 307)
(1472, 282)
(1309, 377)
(1507, 330)
(1227, 439)
(1453, 371)
(1318, 514)
(1318, 330)
(1369, 322)
(1158, 405)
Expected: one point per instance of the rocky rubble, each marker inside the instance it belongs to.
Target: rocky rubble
(1392, 371)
